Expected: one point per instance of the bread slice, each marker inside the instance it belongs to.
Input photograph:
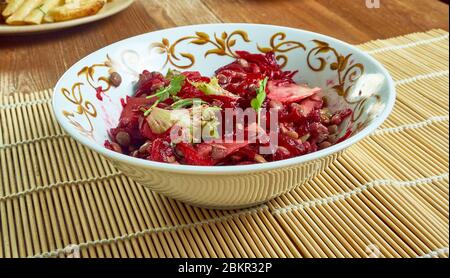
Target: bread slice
(76, 10)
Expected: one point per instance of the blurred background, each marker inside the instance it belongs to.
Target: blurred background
(35, 62)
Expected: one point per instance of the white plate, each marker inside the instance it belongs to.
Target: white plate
(109, 10)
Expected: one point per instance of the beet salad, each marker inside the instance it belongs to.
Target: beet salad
(250, 111)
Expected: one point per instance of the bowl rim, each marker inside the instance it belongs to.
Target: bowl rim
(235, 169)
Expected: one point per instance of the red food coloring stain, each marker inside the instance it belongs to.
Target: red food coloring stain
(346, 136)
(122, 102)
(330, 82)
(99, 92)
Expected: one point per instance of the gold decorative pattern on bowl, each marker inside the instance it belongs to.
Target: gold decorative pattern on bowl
(88, 72)
(83, 107)
(281, 47)
(222, 47)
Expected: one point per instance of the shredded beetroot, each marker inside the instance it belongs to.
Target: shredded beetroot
(161, 151)
(98, 93)
(123, 102)
(192, 155)
(149, 82)
(305, 125)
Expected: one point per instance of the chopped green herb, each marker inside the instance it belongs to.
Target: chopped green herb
(166, 92)
(258, 101)
(185, 102)
(148, 111)
(172, 73)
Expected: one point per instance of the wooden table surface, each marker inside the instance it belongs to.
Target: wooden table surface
(35, 62)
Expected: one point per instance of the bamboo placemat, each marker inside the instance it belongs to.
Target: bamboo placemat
(387, 196)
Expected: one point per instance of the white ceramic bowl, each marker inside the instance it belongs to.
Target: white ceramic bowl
(349, 78)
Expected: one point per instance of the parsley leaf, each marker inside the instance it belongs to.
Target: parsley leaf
(166, 92)
(185, 102)
(172, 90)
(258, 101)
(175, 84)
